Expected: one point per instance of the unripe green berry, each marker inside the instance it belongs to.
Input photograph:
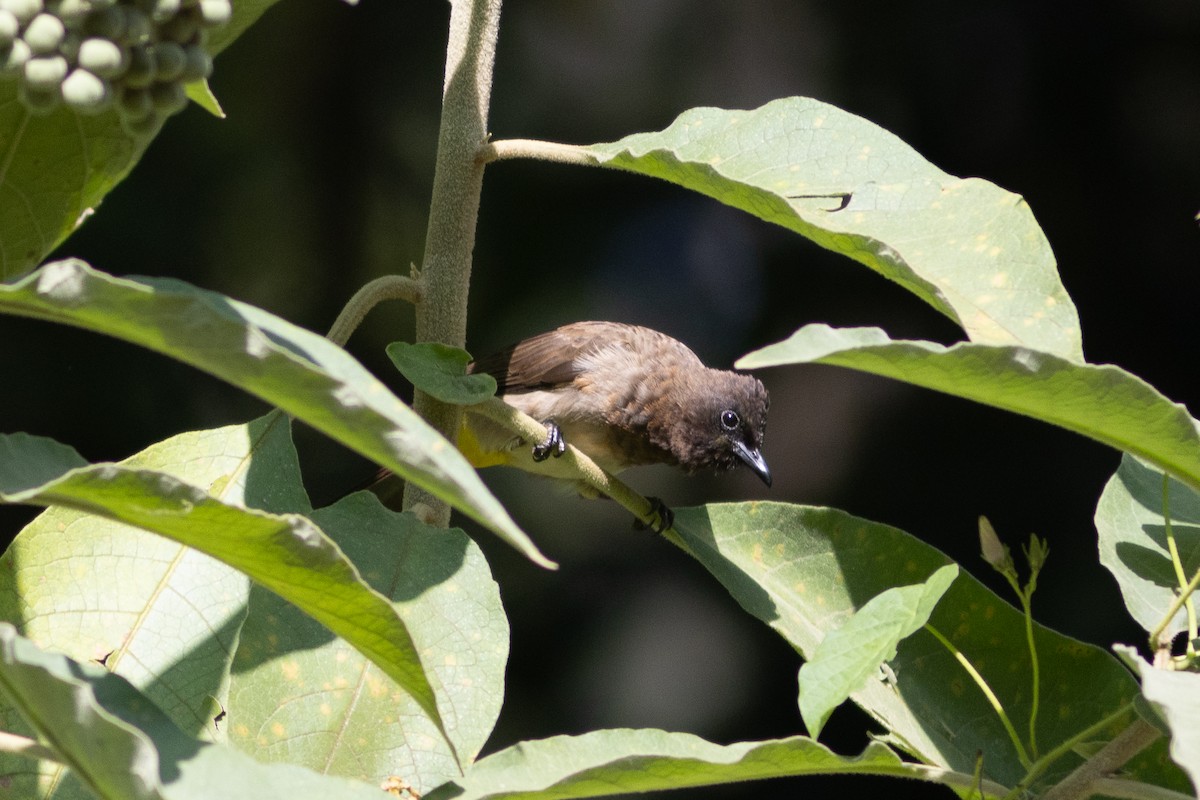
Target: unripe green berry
(182, 27)
(141, 127)
(84, 91)
(14, 61)
(102, 57)
(23, 10)
(170, 60)
(215, 12)
(72, 11)
(168, 97)
(45, 72)
(9, 28)
(140, 72)
(39, 101)
(134, 103)
(44, 33)
(137, 27)
(197, 65)
(164, 10)
(107, 23)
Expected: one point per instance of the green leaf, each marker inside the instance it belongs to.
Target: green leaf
(441, 371)
(850, 654)
(302, 697)
(611, 762)
(57, 169)
(301, 372)
(286, 553)
(1177, 696)
(965, 246)
(120, 745)
(163, 615)
(1102, 402)
(1133, 540)
(805, 570)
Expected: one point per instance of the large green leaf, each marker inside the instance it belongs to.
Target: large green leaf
(611, 762)
(1133, 540)
(286, 553)
(1102, 402)
(851, 653)
(804, 571)
(304, 697)
(56, 168)
(965, 246)
(301, 372)
(123, 747)
(163, 615)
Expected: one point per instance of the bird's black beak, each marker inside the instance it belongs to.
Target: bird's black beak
(753, 460)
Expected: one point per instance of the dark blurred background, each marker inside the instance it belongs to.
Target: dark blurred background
(319, 179)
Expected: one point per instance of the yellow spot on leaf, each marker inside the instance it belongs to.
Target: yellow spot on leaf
(291, 670)
(325, 709)
(756, 553)
(1000, 279)
(278, 730)
(450, 660)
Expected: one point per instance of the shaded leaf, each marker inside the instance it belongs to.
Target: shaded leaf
(300, 696)
(440, 370)
(301, 372)
(122, 746)
(965, 246)
(848, 655)
(1133, 540)
(286, 553)
(1177, 695)
(1102, 402)
(611, 762)
(805, 570)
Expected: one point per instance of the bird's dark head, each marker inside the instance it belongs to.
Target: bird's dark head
(720, 424)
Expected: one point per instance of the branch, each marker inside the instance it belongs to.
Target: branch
(1108, 759)
(584, 467)
(389, 287)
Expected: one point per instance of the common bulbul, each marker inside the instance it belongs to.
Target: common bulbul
(624, 395)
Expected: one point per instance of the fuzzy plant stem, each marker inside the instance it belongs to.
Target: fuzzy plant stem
(458, 180)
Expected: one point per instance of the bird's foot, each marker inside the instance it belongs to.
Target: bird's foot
(662, 517)
(555, 445)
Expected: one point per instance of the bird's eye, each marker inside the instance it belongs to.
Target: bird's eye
(730, 420)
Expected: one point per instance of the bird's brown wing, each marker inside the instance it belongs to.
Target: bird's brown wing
(548, 360)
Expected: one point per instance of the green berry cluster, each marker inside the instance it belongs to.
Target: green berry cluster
(91, 55)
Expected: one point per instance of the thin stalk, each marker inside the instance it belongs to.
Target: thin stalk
(1180, 575)
(1063, 748)
(388, 287)
(537, 150)
(454, 207)
(1036, 672)
(987, 692)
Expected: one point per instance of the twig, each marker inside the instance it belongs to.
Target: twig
(1108, 759)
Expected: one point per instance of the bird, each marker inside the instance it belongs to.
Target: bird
(624, 395)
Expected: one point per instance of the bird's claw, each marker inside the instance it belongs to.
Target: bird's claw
(554, 445)
(662, 517)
